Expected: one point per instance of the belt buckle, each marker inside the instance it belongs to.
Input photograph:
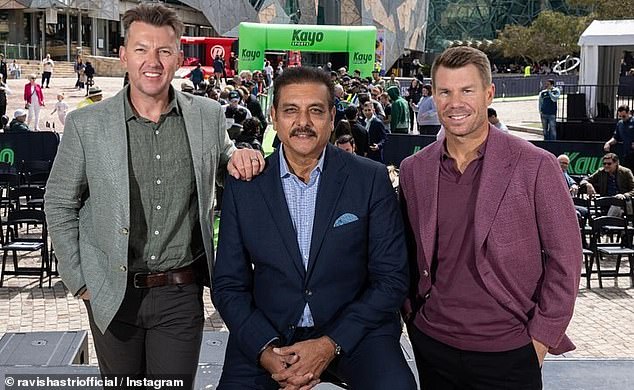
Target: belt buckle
(135, 280)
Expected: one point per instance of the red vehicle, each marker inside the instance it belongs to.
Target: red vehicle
(203, 50)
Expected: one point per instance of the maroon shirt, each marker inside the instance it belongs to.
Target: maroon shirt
(459, 311)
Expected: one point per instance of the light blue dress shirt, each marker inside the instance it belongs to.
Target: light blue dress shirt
(301, 199)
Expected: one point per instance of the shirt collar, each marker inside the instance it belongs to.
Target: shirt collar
(285, 170)
(481, 150)
(131, 113)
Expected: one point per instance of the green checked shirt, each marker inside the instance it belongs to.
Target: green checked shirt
(163, 198)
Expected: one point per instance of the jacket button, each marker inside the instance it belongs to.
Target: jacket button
(124, 231)
(308, 292)
(427, 296)
(291, 327)
(425, 273)
(123, 268)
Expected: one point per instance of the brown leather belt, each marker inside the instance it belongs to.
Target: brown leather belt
(183, 275)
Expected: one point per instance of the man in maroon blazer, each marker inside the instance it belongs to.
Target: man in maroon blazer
(495, 250)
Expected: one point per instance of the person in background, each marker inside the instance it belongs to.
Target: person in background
(346, 143)
(61, 108)
(414, 94)
(400, 112)
(548, 109)
(624, 133)
(47, 70)
(79, 67)
(18, 124)
(197, 76)
(5, 91)
(3, 68)
(33, 101)
(426, 115)
(495, 121)
(89, 72)
(15, 70)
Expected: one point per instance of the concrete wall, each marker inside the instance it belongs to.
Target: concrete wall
(106, 66)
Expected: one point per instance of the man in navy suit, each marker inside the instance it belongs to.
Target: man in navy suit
(311, 264)
(376, 132)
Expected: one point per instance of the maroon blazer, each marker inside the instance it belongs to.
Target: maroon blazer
(38, 92)
(523, 208)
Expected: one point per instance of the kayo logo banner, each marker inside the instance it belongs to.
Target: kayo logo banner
(362, 58)
(306, 38)
(250, 55)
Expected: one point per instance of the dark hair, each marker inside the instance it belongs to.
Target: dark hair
(351, 112)
(154, 14)
(428, 88)
(345, 139)
(363, 97)
(551, 81)
(491, 112)
(611, 156)
(301, 75)
(239, 115)
(461, 56)
(343, 127)
(251, 126)
(622, 108)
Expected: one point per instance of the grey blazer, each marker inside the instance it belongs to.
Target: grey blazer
(87, 195)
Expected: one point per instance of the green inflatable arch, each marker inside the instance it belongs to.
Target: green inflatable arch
(357, 41)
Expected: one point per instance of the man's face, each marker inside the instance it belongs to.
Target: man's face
(384, 100)
(563, 163)
(610, 166)
(462, 100)
(368, 111)
(624, 115)
(375, 76)
(303, 119)
(346, 147)
(21, 118)
(151, 58)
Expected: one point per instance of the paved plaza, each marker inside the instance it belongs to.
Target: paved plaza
(601, 326)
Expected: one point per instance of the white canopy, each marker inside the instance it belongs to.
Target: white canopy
(602, 45)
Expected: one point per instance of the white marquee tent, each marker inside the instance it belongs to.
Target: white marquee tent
(602, 45)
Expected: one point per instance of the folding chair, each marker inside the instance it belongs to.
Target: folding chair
(26, 244)
(623, 248)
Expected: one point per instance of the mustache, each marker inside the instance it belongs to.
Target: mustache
(304, 130)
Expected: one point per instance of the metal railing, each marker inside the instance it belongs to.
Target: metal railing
(20, 51)
(596, 102)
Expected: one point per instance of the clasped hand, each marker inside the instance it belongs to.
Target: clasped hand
(299, 366)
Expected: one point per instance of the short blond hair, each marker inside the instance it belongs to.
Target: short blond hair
(461, 56)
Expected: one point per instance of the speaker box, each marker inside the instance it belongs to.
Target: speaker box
(576, 106)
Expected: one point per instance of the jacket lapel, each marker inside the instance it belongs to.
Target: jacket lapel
(116, 138)
(499, 162)
(273, 194)
(426, 183)
(331, 184)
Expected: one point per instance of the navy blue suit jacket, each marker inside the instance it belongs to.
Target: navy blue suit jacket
(357, 274)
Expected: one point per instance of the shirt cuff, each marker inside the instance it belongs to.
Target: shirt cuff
(274, 342)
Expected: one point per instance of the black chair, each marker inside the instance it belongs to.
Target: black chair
(28, 198)
(8, 183)
(601, 226)
(26, 244)
(35, 172)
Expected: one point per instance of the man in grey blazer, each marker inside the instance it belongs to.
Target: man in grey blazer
(129, 205)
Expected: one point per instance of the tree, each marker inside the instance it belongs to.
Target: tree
(550, 36)
(605, 9)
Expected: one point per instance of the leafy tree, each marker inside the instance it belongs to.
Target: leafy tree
(605, 9)
(552, 35)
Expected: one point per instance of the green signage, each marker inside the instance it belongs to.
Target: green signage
(357, 41)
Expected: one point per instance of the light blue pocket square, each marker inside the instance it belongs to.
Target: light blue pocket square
(345, 219)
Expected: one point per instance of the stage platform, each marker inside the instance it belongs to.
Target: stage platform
(558, 373)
